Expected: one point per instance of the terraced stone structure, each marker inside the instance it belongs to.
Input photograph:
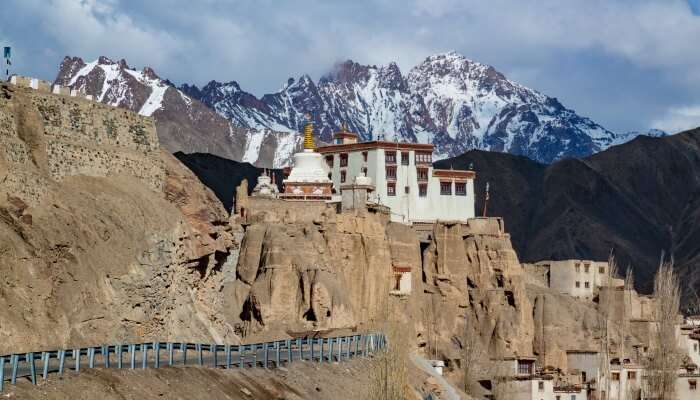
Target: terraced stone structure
(77, 136)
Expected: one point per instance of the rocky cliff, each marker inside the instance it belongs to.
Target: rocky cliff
(103, 237)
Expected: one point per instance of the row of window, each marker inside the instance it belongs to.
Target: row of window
(445, 188)
(586, 268)
(421, 173)
(389, 158)
(587, 285)
(631, 375)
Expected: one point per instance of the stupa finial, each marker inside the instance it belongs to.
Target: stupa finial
(309, 133)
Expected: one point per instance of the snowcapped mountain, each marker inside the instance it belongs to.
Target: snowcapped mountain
(183, 123)
(448, 100)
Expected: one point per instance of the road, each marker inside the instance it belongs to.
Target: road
(265, 355)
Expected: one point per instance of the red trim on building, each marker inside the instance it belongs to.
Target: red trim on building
(402, 269)
(377, 144)
(453, 173)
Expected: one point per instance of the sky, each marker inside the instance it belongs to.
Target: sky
(626, 64)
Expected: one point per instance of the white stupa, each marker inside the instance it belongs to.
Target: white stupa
(308, 179)
(265, 187)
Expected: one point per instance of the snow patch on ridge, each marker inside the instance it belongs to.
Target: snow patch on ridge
(254, 139)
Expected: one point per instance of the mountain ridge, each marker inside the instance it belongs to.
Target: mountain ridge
(448, 100)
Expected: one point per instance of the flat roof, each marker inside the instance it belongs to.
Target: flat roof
(376, 144)
(453, 173)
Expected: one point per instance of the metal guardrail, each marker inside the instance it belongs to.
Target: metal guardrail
(157, 354)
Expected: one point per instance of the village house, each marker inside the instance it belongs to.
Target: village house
(578, 278)
(518, 378)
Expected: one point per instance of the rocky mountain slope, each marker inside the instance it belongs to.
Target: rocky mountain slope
(638, 199)
(451, 101)
(183, 122)
(103, 236)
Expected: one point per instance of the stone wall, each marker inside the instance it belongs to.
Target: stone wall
(72, 136)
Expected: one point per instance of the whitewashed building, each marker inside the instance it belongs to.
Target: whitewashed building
(578, 278)
(404, 178)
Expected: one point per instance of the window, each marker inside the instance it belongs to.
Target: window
(344, 160)
(573, 397)
(586, 267)
(540, 386)
(391, 189)
(422, 174)
(578, 267)
(364, 156)
(632, 375)
(329, 161)
(404, 158)
(461, 188)
(407, 189)
(692, 384)
(422, 190)
(446, 188)
(342, 176)
(601, 270)
(397, 282)
(364, 170)
(525, 367)
(391, 173)
(390, 157)
(615, 376)
(558, 397)
(578, 284)
(424, 158)
(586, 285)
(695, 347)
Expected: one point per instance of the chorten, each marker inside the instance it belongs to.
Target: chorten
(266, 187)
(308, 179)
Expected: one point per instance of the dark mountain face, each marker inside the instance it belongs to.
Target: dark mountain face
(638, 199)
(223, 176)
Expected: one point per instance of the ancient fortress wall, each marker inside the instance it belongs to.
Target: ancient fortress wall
(79, 136)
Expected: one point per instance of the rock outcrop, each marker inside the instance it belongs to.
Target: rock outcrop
(108, 239)
(309, 268)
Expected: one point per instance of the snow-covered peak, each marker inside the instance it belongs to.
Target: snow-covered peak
(115, 83)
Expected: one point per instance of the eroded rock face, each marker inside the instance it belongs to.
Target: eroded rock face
(474, 276)
(324, 275)
(108, 252)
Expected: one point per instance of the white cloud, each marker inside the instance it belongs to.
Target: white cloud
(679, 119)
(261, 43)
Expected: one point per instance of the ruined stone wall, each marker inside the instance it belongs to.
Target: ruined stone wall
(535, 274)
(71, 136)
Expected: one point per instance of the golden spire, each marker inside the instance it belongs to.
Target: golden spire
(309, 135)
